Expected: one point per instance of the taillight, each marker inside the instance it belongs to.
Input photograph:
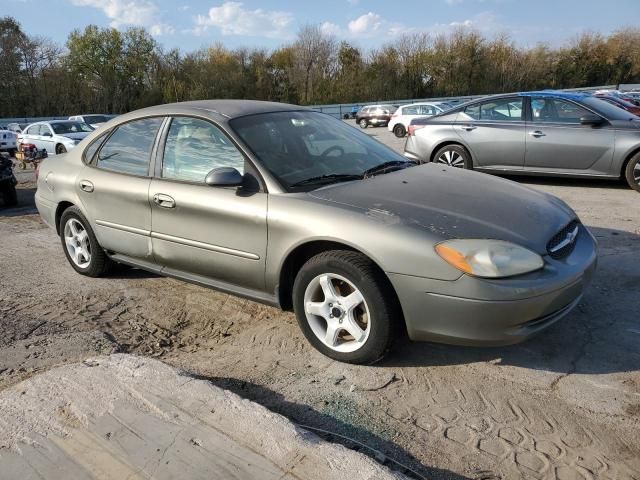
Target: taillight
(412, 129)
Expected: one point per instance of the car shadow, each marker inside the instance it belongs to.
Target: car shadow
(26, 204)
(601, 335)
(333, 429)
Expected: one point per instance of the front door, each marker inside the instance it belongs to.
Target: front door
(114, 189)
(215, 232)
(494, 132)
(557, 141)
(45, 139)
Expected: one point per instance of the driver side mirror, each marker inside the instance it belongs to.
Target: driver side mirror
(590, 119)
(224, 177)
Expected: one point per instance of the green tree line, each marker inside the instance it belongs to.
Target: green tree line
(104, 70)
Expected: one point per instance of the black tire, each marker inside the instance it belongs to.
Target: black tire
(399, 130)
(375, 288)
(12, 152)
(60, 149)
(345, 116)
(456, 151)
(632, 172)
(363, 123)
(100, 263)
(9, 194)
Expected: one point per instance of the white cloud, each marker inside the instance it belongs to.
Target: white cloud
(367, 24)
(353, 2)
(142, 13)
(232, 19)
(330, 29)
(453, 2)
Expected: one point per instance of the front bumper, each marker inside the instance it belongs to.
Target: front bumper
(476, 311)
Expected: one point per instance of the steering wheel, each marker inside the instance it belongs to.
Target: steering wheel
(337, 148)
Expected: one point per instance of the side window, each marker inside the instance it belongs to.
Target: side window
(194, 147)
(43, 130)
(554, 110)
(91, 150)
(473, 111)
(129, 148)
(509, 109)
(410, 111)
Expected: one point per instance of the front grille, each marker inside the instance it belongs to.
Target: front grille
(560, 245)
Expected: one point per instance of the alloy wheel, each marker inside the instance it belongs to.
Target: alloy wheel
(636, 173)
(337, 312)
(451, 158)
(77, 242)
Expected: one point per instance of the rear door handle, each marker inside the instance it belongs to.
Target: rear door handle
(468, 128)
(164, 201)
(537, 134)
(86, 185)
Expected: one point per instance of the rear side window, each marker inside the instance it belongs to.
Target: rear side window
(410, 111)
(128, 150)
(91, 150)
(501, 110)
(195, 147)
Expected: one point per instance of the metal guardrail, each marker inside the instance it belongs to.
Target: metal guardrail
(340, 109)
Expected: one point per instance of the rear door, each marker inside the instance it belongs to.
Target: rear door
(557, 142)
(219, 233)
(494, 132)
(114, 187)
(32, 135)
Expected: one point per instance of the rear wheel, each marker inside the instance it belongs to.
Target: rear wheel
(363, 123)
(632, 172)
(454, 156)
(60, 149)
(399, 130)
(81, 246)
(343, 306)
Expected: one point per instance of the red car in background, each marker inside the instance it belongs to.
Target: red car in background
(619, 102)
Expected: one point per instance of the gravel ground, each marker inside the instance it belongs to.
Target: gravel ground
(565, 404)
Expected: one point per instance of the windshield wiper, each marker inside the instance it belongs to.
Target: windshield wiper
(387, 167)
(332, 178)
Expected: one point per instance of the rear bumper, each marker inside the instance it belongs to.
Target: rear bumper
(46, 209)
(475, 311)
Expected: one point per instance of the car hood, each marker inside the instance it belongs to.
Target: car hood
(456, 203)
(75, 136)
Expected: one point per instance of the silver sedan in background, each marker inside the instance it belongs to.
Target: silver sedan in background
(537, 133)
(296, 209)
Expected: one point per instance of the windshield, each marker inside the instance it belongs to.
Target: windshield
(608, 110)
(95, 118)
(298, 146)
(70, 127)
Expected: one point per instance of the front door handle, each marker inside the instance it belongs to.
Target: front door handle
(86, 185)
(537, 134)
(164, 201)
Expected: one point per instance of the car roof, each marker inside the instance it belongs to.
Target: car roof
(226, 108)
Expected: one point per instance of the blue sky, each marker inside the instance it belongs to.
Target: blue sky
(189, 24)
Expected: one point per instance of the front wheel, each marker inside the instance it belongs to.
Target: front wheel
(363, 123)
(60, 149)
(454, 156)
(632, 172)
(81, 246)
(344, 308)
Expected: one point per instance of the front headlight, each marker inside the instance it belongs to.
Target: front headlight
(489, 258)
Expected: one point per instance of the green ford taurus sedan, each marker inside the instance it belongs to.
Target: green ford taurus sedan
(296, 209)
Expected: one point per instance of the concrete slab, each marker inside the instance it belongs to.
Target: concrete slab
(123, 416)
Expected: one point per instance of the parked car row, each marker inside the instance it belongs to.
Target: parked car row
(537, 133)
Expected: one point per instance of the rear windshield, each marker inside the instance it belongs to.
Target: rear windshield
(607, 110)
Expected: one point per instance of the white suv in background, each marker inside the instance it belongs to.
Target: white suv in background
(405, 113)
